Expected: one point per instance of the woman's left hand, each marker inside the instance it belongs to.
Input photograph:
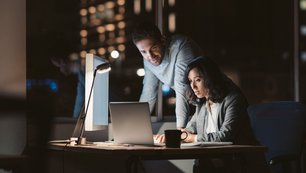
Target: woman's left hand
(190, 136)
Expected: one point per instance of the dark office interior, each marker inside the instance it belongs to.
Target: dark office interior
(259, 44)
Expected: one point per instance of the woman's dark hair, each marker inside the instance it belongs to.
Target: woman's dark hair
(146, 30)
(214, 80)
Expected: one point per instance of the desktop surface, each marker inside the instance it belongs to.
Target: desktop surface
(130, 155)
(142, 150)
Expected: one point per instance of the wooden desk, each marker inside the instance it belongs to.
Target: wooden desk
(132, 154)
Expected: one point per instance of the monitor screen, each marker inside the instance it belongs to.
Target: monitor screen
(97, 113)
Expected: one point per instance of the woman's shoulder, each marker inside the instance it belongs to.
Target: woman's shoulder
(235, 95)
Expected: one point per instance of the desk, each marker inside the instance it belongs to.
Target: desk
(132, 154)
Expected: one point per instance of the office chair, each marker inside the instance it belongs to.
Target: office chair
(280, 126)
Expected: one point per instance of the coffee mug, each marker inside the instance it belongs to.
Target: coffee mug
(173, 138)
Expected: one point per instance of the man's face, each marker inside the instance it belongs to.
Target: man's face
(151, 50)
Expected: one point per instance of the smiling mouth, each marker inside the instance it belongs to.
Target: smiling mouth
(154, 61)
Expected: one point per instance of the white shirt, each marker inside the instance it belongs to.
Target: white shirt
(212, 118)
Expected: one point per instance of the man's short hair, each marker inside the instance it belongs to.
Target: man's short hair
(146, 30)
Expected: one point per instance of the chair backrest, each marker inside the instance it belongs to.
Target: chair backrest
(280, 126)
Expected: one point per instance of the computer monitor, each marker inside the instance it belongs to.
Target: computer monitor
(96, 116)
(97, 113)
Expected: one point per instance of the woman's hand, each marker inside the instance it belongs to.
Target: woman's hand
(159, 138)
(190, 136)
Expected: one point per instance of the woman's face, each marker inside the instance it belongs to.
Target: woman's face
(197, 83)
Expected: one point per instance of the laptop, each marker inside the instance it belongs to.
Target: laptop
(131, 123)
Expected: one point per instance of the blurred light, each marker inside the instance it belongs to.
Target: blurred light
(303, 4)
(120, 39)
(101, 51)
(96, 22)
(53, 86)
(93, 51)
(166, 89)
(92, 17)
(110, 27)
(100, 7)
(49, 83)
(110, 41)
(148, 5)
(83, 54)
(121, 2)
(127, 90)
(140, 72)
(119, 17)
(172, 22)
(122, 32)
(137, 6)
(110, 48)
(73, 56)
(121, 47)
(102, 37)
(121, 10)
(303, 30)
(84, 20)
(303, 57)
(83, 41)
(122, 56)
(110, 4)
(83, 12)
(109, 13)
(92, 9)
(285, 55)
(111, 35)
(115, 54)
(29, 84)
(83, 33)
(100, 29)
(121, 25)
(171, 3)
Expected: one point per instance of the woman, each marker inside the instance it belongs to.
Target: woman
(221, 109)
(220, 116)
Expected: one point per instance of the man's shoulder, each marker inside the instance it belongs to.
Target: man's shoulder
(178, 38)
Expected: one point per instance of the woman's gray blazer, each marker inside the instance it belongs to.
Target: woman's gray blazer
(233, 122)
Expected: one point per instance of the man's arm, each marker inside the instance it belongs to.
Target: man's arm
(188, 51)
(149, 89)
(182, 105)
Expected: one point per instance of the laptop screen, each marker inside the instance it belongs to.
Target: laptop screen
(131, 123)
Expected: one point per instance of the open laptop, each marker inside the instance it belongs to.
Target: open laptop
(131, 123)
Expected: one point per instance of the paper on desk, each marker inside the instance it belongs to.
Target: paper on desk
(203, 144)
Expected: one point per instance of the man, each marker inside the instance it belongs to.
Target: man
(165, 60)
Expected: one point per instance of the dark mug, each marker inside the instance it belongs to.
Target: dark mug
(173, 138)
